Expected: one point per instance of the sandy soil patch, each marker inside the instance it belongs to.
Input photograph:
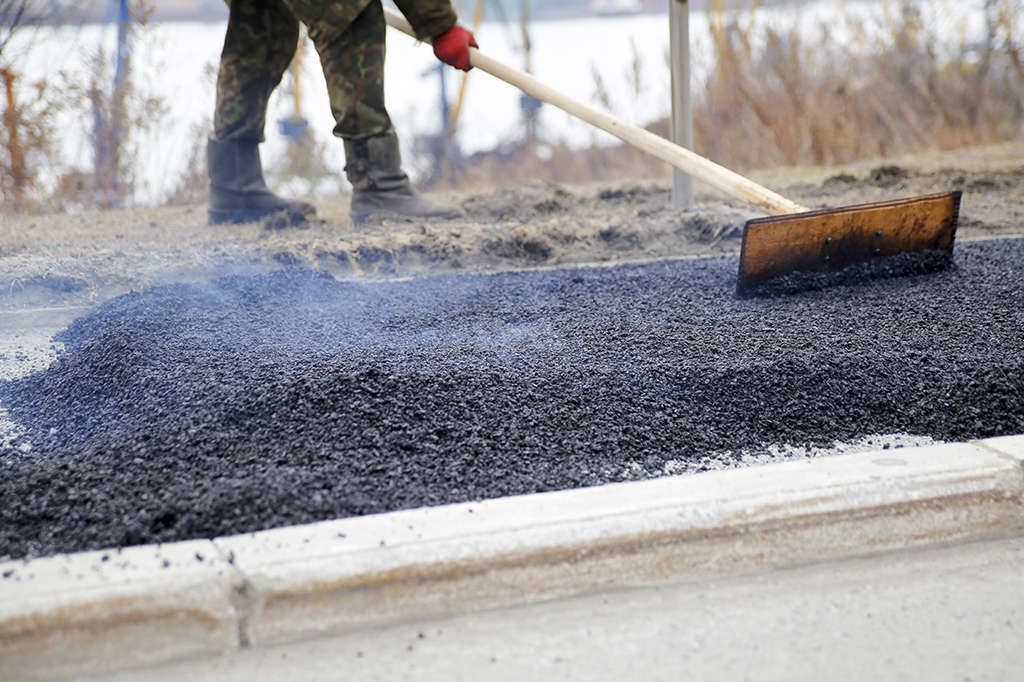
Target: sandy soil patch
(79, 260)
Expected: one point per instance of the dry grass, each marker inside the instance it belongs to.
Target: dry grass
(779, 95)
(789, 100)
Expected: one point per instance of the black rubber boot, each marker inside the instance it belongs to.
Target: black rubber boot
(374, 167)
(238, 192)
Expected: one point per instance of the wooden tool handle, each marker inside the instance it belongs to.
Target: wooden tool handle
(731, 183)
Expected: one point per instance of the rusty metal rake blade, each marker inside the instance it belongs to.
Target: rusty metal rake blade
(832, 239)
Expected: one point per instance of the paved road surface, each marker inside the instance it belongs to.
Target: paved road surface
(953, 613)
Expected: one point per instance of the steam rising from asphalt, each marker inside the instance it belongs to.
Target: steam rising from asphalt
(198, 410)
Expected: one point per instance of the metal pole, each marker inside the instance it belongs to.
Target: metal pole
(296, 69)
(529, 111)
(682, 106)
(123, 49)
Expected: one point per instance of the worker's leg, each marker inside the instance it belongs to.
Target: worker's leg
(351, 49)
(259, 45)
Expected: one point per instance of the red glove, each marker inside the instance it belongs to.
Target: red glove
(452, 47)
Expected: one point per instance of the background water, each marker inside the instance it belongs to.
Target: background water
(176, 61)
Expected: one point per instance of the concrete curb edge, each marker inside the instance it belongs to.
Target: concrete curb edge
(108, 610)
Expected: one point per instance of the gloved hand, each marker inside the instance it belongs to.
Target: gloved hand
(452, 47)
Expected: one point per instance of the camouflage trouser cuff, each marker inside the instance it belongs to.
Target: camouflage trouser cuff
(390, 130)
(239, 136)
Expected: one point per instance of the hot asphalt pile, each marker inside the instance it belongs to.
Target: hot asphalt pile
(200, 410)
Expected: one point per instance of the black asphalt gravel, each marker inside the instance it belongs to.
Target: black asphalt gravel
(200, 410)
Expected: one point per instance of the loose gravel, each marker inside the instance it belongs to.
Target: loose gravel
(201, 410)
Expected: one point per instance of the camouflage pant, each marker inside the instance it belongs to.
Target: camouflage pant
(261, 40)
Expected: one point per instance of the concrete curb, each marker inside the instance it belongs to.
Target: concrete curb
(95, 612)
(105, 611)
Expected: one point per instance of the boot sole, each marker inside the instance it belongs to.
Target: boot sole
(361, 217)
(240, 216)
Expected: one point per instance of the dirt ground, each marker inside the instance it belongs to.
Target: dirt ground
(79, 260)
